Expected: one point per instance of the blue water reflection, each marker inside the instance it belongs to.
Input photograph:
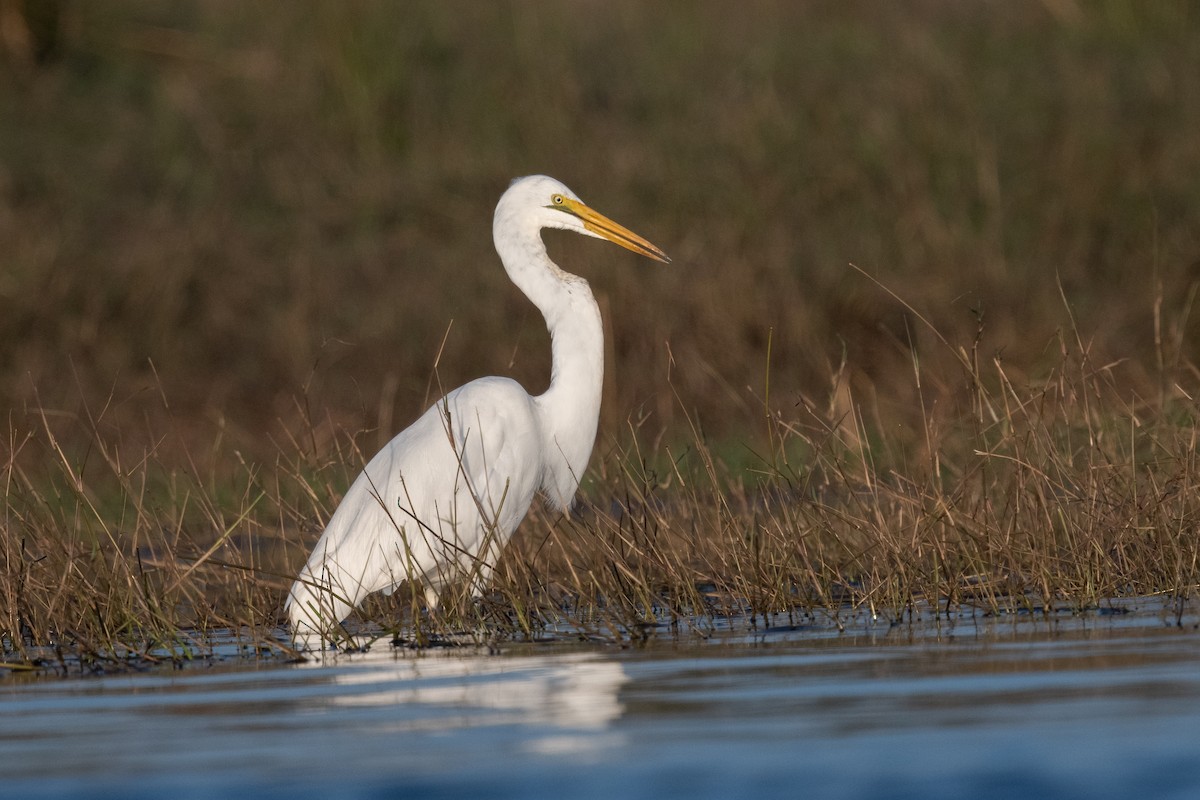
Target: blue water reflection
(1087, 707)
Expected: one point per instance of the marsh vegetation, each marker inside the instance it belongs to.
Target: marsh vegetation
(928, 342)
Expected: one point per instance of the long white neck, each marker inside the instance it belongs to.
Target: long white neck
(570, 408)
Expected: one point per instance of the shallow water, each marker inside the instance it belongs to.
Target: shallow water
(1098, 706)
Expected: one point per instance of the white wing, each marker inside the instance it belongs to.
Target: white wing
(448, 490)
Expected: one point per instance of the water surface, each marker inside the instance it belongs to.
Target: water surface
(1093, 706)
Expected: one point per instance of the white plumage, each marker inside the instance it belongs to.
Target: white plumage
(440, 501)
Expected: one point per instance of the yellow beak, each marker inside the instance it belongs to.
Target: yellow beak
(601, 225)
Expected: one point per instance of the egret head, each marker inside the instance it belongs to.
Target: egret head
(546, 203)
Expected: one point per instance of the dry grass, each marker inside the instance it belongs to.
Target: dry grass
(1061, 493)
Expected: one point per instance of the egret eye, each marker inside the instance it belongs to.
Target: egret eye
(557, 199)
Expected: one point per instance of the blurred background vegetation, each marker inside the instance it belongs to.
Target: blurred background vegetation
(232, 220)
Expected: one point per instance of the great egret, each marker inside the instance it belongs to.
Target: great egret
(443, 497)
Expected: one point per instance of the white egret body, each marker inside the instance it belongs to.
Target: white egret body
(439, 502)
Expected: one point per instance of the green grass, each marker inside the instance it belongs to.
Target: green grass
(232, 240)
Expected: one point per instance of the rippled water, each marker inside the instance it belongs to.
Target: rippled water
(1099, 706)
